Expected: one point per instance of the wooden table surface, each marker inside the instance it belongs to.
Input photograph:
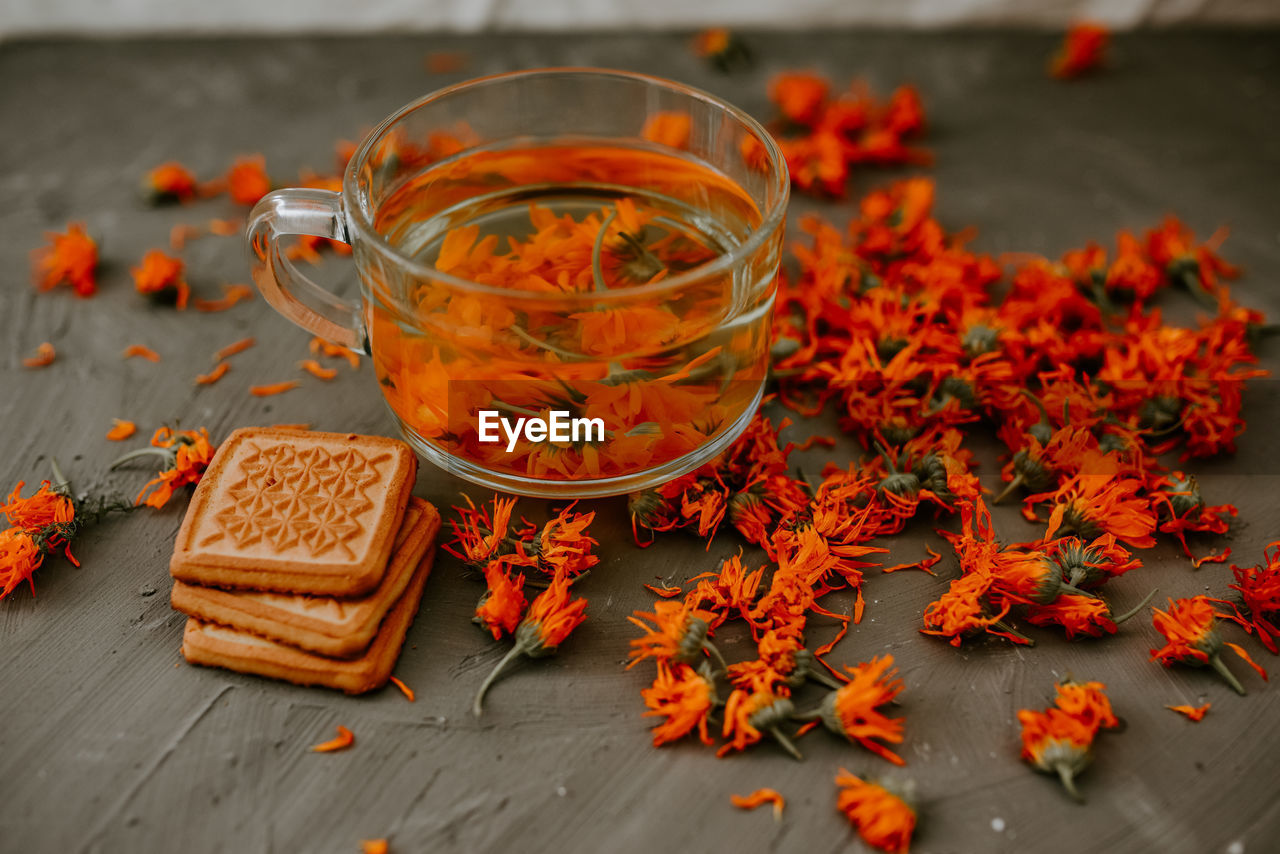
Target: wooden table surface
(109, 743)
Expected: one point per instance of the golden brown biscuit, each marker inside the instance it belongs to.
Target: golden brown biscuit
(220, 646)
(339, 628)
(296, 512)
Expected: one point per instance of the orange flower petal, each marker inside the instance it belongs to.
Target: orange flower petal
(122, 430)
(142, 352)
(44, 356)
(404, 689)
(665, 592)
(231, 294)
(319, 345)
(233, 348)
(759, 797)
(374, 846)
(274, 388)
(317, 370)
(1195, 713)
(214, 375)
(1240, 651)
(344, 739)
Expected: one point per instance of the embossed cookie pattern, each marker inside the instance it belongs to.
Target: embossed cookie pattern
(306, 501)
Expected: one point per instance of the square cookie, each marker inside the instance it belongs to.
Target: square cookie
(220, 646)
(325, 625)
(296, 512)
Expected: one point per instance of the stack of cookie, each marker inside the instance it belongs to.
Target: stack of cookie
(303, 557)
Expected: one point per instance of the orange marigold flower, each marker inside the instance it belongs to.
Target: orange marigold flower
(1198, 268)
(503, 603)
(679, 633)
(749, 715)
(1092, 504)
(70, 258)
(885, 819)
(800, 95)
(1081, 614)
(121, 430)
(563, 545)
(722, 48)
(169, 182)
(1089, 566)
(1055, 742)
(758, 798)
(1028, 578)
(852, 710)
(729, 592)
(42, 523)
(478, 535)
(374, 846)
(44, 356)
(962, 611)
(160, 275)
(685, 697)
(1259, 589)
(1060, 740)
(1082, 50)
(342, 741)
(711, 41)
(20, 557)
(1194, 713)
(186, 453)
(1086, 702)
(247, 180)
(1189, 628)
(47, 506)
(552, 617)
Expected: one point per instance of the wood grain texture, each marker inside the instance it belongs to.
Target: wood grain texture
(107, 745)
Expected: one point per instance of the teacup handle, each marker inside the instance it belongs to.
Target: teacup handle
(302, 211)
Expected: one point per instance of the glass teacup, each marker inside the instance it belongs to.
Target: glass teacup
(567, 275)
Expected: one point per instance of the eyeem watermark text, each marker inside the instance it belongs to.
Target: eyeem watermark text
(558, 427)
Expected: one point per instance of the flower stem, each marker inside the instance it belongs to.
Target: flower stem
(163, 453)
(1068, 778)
(1012, 485)
(61, 483)
(823, 679)
(538, 342)
(597, 265)
(815, 715)
(1219, 665)
(1008, 629)
(1070, 587)
(786, 743)
(1136, 608)
(477, 708)
(715, 653)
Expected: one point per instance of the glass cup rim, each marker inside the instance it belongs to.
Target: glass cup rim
(771, 219)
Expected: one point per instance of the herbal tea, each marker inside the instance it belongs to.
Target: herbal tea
(578, 282)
